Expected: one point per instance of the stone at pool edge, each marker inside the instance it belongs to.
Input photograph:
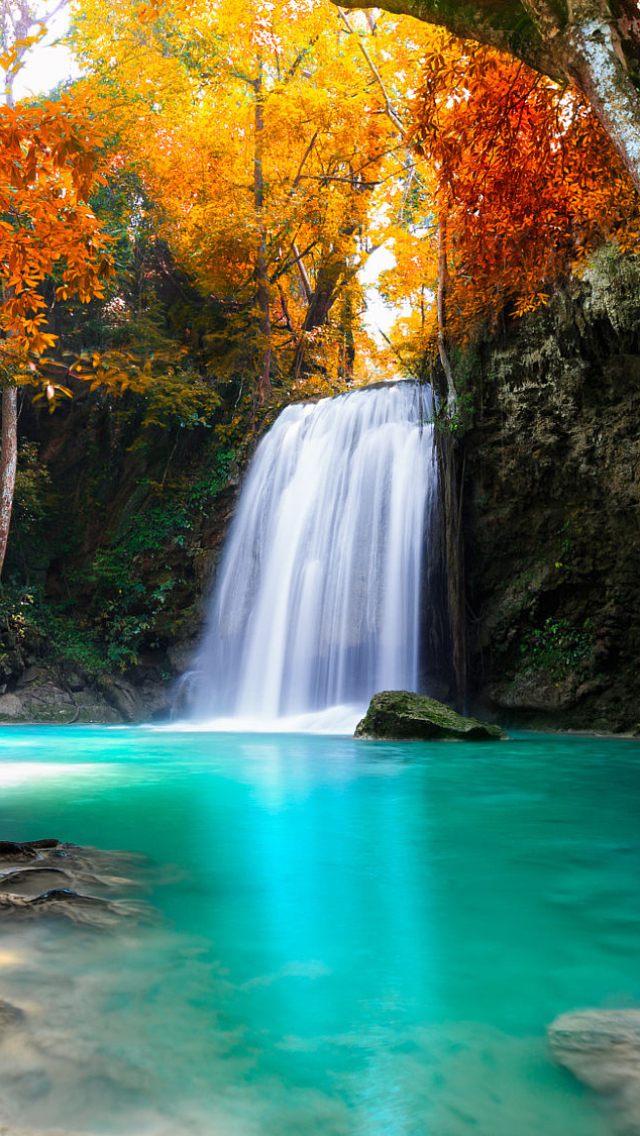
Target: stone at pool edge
(401, 715)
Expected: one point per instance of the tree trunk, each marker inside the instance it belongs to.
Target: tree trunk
(9, 437)
(441, 305)
(332, 272)
(591, 46)
(262, 274)
(8, 464)
(599, 70)
(347, 345)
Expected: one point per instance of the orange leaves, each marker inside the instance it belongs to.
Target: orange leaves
(48, 164)
(11, 60)
(525, 175)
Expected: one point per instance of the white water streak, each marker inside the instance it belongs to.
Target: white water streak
(319, 591)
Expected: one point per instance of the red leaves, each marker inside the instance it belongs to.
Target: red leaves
(525, 172)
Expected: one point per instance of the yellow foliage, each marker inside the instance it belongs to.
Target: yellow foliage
(208, 98)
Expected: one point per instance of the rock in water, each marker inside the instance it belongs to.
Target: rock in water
(602, 1049)
(47, 878)
(10, 1017)
(402, 715)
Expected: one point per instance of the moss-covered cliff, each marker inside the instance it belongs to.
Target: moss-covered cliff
(553, 508)
(115, 535)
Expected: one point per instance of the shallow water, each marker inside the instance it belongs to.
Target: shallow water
(353, 938)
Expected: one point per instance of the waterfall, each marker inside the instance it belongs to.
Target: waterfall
(319, 592)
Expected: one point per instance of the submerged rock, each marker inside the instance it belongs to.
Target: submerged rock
(90, 910)
(403, 715)
(50, 878)
(602, 1049)
(10, 1017)
(9, 1130)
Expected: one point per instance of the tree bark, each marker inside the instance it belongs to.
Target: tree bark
(586, 43)
(333, 271)
(8, 464)
(599, 69)
(441, 307)
(262, 274)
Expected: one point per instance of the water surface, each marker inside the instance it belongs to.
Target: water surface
(352, 937)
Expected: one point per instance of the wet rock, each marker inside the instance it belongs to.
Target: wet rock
(28, 1084)
(555, 428)
(602, 1049)
(156, 700)
(11, 706)
(11, 1017)
(402, 715)
(46, 877)
(33, 675)
(12, 851)
(532, 690)
(124, 698)
(44, 700)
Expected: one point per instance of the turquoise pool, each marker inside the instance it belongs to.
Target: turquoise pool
(343, 938)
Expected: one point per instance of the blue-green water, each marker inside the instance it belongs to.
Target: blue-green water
(354, 938)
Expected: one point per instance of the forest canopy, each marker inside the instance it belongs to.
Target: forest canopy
(280, 143)
(189, 223)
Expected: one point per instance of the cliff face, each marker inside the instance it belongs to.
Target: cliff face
(552, 509)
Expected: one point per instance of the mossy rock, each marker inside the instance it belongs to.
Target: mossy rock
(401, 715)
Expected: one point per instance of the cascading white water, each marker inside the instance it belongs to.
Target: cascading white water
(318, 597)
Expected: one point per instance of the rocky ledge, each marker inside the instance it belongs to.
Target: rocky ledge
(402, 715)
(52, 694)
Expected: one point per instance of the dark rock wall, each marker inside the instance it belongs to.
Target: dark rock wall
(552, 509)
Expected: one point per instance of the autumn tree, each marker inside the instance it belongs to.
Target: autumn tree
(265, 136)
(48, 164)
(525, 185)
(592, 46)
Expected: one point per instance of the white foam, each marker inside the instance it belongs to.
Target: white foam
(333, 720)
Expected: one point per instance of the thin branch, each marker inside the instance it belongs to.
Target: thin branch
(376, 74)
(296, 181)
(302, 54)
